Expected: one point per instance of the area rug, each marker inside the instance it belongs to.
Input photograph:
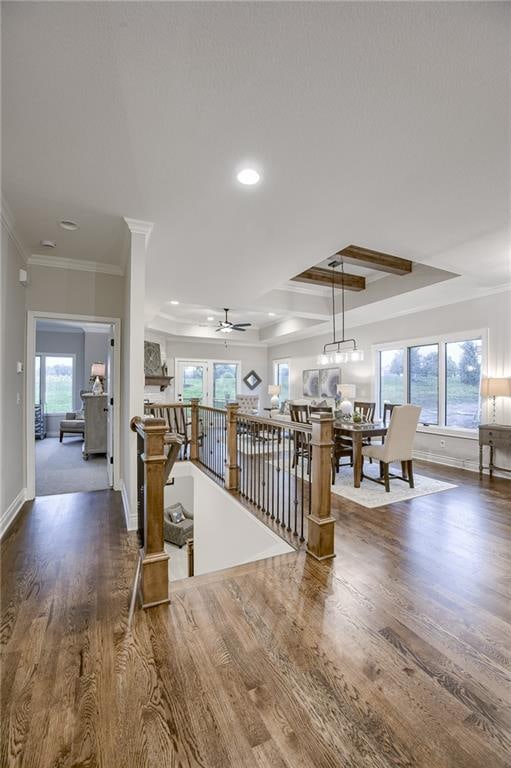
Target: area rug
(60, 467)
(374, 495)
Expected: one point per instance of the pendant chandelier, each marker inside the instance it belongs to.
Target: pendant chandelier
(337, 354)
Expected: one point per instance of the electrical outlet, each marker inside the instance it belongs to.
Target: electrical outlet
(442, 443)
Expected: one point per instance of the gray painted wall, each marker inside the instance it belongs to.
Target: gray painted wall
(12, 384)
(95, 351)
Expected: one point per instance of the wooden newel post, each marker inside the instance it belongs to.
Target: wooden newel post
(321, 524)
(194, 442)
(154, 566)
(231, 461)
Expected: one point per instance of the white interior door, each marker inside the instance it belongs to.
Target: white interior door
(192, 381)
(109, 389)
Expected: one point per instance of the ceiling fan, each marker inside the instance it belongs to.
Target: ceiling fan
(225, 326)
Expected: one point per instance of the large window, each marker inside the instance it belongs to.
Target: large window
(462, 383)
(392, 379)
(54, 377)
(441, 375)
(282, 379)
(423, 380)
(225, 376)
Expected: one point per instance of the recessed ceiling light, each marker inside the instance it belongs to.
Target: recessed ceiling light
(271, 314)
(210, 318)
(248, 176)
(48, 243)
(69, 225)
(174, 302)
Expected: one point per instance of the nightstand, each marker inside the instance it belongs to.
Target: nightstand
(495, 436)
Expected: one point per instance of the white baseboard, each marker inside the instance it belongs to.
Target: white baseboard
(129, 516)
(452, 461)
(12, 511)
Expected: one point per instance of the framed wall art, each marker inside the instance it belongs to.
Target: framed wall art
(329, 378)
(311, 382)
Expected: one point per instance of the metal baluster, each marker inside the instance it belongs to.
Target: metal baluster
(303, 480)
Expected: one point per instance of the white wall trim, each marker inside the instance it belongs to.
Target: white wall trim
(8, 222)
(452, 461)
(139, 227)
(129, 517)
(61, 262)
(12, 511)
(29, 457)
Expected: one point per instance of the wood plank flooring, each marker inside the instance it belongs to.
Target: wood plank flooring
(396, 653)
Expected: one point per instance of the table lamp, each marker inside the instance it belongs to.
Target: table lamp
(274, 391)
(495, 388)
(97, 372)
(347, 393)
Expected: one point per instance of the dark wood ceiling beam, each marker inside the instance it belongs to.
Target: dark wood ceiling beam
(320, 276)
(383, 262)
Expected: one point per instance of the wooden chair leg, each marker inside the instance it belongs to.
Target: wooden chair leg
(361, 467)
(404, 470)
(381, 470)
(386, 477)
(410, 473)
(61, 435)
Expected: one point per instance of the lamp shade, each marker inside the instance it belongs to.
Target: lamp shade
(496, 387)
(274, 389)
(97, 369)
(347, 391)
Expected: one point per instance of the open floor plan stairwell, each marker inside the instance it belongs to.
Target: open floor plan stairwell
(396, 652)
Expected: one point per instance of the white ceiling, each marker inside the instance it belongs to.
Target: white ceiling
(381, 124)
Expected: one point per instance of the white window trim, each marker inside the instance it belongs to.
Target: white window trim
(210, 384)
(43, 356)
(441, 340)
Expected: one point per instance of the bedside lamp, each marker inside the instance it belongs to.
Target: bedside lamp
(495, 388)
(274, 391)
(347, 393)
(97, 372)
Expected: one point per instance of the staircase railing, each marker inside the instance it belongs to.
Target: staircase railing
(157, 450)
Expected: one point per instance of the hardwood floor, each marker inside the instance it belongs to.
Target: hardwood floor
(396, 653)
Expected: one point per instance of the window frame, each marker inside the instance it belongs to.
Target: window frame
(209, 363)
(278, 362)
(42, 400)
(408, 383)
(442, 340)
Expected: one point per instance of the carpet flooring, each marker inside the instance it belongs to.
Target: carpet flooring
(60, 467)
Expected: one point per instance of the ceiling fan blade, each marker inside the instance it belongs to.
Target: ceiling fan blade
(218, 329)
(237, 328)
(242, 325)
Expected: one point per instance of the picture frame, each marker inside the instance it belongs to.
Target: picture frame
(310, 381)
(252, 379)
(329, 379)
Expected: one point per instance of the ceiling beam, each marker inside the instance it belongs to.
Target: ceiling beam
(383, 262)
(320, 276)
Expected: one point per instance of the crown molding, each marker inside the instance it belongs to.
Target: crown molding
(60, 262)
(8, 221)
(139, 227)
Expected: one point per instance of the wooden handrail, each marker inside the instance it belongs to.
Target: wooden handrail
(155, 466)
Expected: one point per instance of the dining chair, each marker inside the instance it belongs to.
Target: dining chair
(398, 446)
(300, 414)
(366, 410)
(341, 448)
(387, 411)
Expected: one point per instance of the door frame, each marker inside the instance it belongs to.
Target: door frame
(32, 317)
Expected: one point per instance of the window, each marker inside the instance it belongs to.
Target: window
(423, 381)
(442, 376)
(193, 382)
(281, 375)
(37, 379)
(225, 377)
(392, 379)
(58, 377)
(462, 383)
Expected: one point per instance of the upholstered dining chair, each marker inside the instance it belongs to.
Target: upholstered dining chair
(398, 446)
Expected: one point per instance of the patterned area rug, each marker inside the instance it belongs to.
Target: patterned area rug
(373, 495)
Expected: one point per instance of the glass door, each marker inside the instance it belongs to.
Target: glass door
(225, 381)
(192, 381)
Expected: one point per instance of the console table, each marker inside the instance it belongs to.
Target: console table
(495, 436)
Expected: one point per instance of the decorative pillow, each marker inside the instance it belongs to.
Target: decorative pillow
(175, 512)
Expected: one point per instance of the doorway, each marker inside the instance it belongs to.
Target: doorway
(72, 396)
(214, 382)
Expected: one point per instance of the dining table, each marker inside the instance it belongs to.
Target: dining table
(358, 432)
